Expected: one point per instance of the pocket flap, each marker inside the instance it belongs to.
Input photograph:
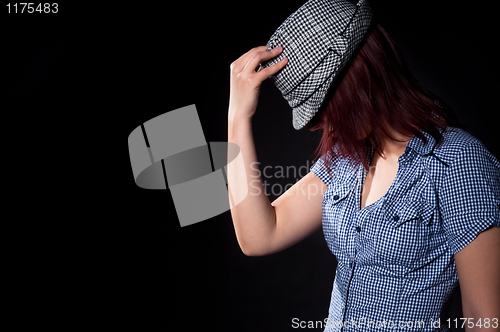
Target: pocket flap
(399, 213)
(336, 193)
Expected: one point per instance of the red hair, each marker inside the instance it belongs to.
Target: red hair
(377, 92)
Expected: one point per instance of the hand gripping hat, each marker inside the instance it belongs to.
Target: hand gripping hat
(318, 39)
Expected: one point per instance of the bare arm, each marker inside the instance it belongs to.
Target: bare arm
(263, 228)
(478, 267)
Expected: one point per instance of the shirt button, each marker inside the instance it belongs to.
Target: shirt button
(396, 218)
(350, 265)
(358, 229)
(336, 197)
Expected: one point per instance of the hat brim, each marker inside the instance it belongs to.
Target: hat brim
(304, 112)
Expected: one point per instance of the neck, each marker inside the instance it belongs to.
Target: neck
(394, 149)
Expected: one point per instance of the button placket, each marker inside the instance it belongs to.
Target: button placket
(361, 214)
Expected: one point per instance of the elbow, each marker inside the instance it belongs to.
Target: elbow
(249, 253)
(253, 251)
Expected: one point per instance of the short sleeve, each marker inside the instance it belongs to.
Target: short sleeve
(469, 197)
(319, 169)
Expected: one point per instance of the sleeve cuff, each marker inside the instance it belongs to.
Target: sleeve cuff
(461, 241)
(319, 169)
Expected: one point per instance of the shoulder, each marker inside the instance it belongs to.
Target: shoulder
(469, 190)
(340, 167)
(471, 169)
(459, 146)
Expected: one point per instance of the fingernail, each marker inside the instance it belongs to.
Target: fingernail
(284, 59)
(279, 48)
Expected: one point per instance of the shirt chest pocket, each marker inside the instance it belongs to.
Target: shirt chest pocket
(403, 234)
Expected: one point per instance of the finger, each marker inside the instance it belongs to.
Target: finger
(240, 63)
(271, 70)
(258, 57)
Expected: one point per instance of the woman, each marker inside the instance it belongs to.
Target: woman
(408, 201)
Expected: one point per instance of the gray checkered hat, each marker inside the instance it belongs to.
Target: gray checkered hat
(318, 39)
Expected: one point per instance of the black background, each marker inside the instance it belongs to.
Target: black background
(76, 83)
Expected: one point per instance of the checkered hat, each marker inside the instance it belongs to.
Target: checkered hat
(318, 39)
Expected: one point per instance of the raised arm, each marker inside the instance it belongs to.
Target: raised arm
(263, 227)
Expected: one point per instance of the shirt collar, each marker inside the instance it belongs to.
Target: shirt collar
(418, 145)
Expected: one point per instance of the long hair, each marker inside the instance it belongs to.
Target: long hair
(377, 92)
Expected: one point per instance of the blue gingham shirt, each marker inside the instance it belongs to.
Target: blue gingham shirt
(395, 257)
